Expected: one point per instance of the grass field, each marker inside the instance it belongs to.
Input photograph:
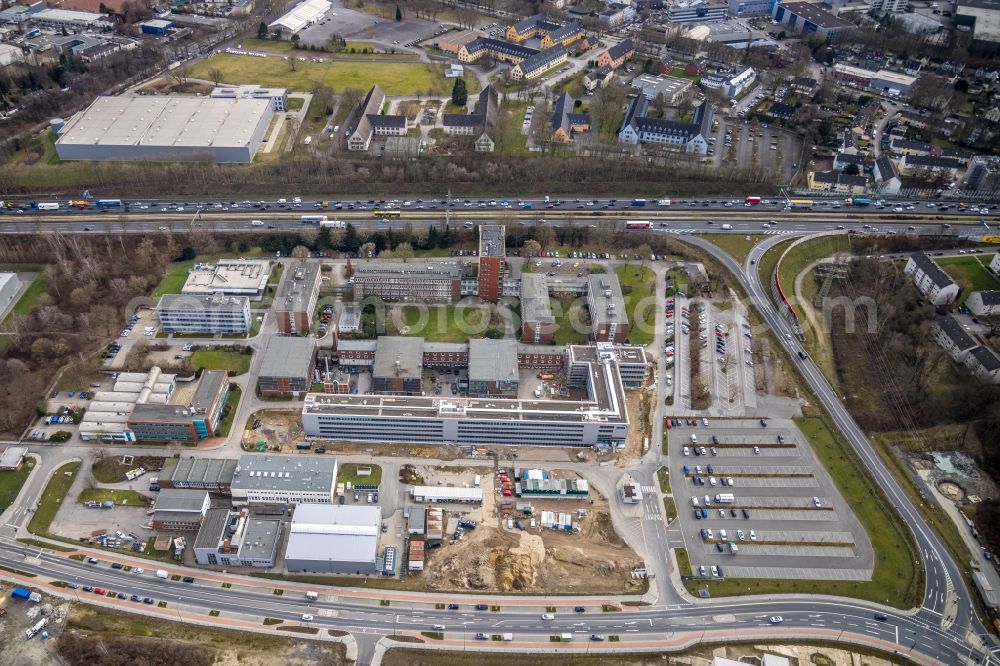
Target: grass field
(566, 312)
(11, 482)
(349, 472)
(970, 273)
(216, 359)
(52, 498)
(174, 280)
(121, 497)
(896, 581)
(29, 298)
(295, 103)
(770, 259)
(394, 78)
(638, 283)
(737, 245)
(443, 323)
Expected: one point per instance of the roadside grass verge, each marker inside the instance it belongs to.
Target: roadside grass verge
(638, 283)
(52, 498)
(683, 562)
(46, 545)
(29, 299)
(229, 411)
(896, 580)
(12, 481)
(119, 497)
(738, 246)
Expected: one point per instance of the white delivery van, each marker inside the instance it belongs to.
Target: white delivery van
(256, 223)
(162, 573)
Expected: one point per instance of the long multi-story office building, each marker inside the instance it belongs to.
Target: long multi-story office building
(286, 369)
(538, 324)
(607, 308)
(184, 313)
(600, 419)
(296, 298)
(416, 282)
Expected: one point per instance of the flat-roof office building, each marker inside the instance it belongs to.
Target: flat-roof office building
(417, 282)
(184, 313)
(288, 480)
(296, 299)
(286, 369)
(237, 539)
(598, 420)
(194, 421)
(166, 127)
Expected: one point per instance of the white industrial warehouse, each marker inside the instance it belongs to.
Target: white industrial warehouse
(166, 128)
(328, 538)
(301, 16)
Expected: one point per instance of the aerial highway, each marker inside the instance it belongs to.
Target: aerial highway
(650, 627)
(944, 630)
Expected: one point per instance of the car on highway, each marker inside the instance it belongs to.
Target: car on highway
(188, 579)
(306, 617)
(452, 606)
(548, 616)
(596, 637)
(579, 609)
(775, 619)
(480, 636)
(138, 571)
(482, 607)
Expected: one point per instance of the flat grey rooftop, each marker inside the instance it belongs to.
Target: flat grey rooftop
(296, 473)
(287, 357)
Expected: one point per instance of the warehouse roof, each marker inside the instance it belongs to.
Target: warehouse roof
(166, 121)
(296, 473)
(198, 470)
(302, 15)
(287, 357)
(399, 356)
(445, 493)
(180, 500)
(230, 276)
(12, 456)
(344, 533)
(492, 360)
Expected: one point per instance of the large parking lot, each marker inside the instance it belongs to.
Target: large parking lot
(754, 503)
(742, 143)
(355, 25)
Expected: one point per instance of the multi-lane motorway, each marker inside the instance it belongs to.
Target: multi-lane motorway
(944, 630)
(831, 619)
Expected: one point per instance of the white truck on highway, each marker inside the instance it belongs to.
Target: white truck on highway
(162, 573)
(312, 596)
(727, 227)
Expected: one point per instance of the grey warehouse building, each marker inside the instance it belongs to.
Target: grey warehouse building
(287, 367)
(166, 128)
(237, 539)
(333, 539)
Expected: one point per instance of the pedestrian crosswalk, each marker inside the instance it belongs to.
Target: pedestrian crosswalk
(649, 489)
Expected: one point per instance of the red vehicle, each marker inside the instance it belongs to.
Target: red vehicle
(100, 590)
(752, 200)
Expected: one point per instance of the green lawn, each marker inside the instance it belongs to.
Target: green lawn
(229, 412)
(235, 363)
(29, 298)
(970, 274)
(567, 311)
(120, 497)
(737, 245)
(52, 497)
(896, 581)
(349, 472)
(295, 103)
(394, 78)
(174, 280)
(442, 323)
(638, 283)
(11, 482)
